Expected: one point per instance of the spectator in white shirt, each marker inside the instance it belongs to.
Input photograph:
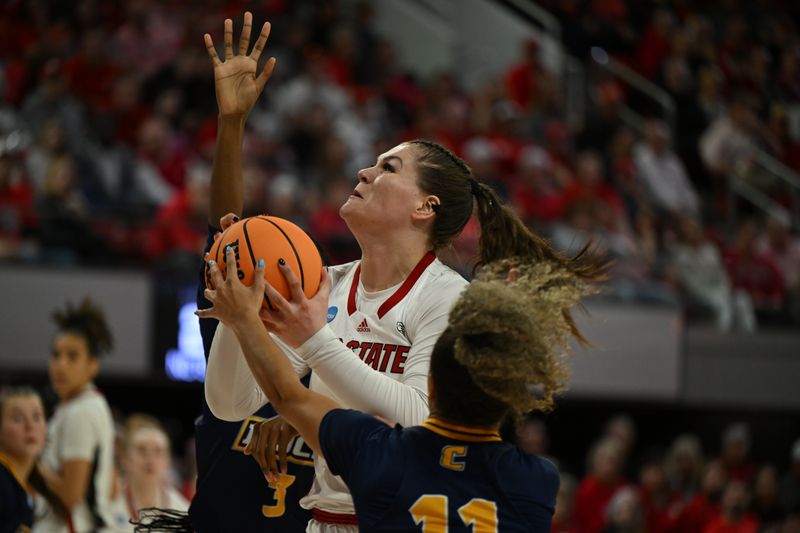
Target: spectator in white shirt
(663, 174)
(731, 139)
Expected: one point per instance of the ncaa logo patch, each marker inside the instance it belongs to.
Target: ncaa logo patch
(332, 310)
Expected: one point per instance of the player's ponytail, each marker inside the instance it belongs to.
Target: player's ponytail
(505, 346)
(503, 234)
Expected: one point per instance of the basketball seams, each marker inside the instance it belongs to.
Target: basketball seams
(253, 259)
(247, 240)
(296, 255)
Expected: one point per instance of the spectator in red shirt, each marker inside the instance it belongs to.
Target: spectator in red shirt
(590, 183)
(328, 227)
(735, 451)
(179, 231)
(684, 466)
(754, 272)
(522, 80)
(158, 147)
(656, 497)
(733, 517)
(766, 504)
(622, 429)
(654, 47)
(564, 515)
(90, 74)
(598, 487)
(17, 213)
(536, 193)
(783, 248)
(703, 507)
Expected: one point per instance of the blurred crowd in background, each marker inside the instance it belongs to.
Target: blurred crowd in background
(108, 123)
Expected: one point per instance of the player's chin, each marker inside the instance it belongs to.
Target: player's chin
(349, 207)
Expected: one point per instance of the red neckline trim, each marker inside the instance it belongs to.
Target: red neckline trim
(399, 294)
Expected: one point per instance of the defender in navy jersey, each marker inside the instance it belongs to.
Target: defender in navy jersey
(501, 355)
(437, 474)
(232, 493)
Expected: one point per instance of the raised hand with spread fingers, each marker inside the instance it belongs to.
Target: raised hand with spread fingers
(236, 79)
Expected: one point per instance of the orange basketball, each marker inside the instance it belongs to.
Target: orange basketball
(270, 239)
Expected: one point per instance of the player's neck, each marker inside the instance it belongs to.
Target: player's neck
(385, 264)
(144, 493)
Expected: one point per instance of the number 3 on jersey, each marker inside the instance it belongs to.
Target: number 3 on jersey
(430, 510)
(276, 510)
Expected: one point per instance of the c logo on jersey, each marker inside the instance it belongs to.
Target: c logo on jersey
(298, 453)
(332, 310)
(451, 455)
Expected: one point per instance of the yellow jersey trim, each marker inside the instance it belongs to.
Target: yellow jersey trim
(460, 432)
(7, 463)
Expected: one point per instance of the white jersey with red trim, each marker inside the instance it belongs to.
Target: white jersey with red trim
(373, 355)
(393, 332)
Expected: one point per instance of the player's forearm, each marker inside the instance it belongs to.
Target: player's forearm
(302, 408)
(358, 386)
(70, 489)
(231, 391)
(271, 369)
(226, 173)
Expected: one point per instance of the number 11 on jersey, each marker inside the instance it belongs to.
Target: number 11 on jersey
(430, 510)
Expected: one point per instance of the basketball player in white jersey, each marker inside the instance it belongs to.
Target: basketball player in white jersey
(77, 465)
(369, 344)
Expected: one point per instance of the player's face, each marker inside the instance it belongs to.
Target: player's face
(147, 456)
(387, 193)
(22, 427)
(71, 365)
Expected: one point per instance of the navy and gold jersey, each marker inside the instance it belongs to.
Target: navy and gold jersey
(232, 493)
(16, 504)
(437, 477)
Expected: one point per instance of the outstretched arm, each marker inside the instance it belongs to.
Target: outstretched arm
(237, 88)
(237, 306)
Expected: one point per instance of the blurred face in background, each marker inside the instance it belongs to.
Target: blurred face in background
(607, 462)
(532, 437)
(714, 479)
(766, 485)
(735, 499)
(22, 427)
(72, 366)
(147, 456)
(652, 477)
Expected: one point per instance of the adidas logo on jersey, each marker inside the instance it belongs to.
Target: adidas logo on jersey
(363, 327)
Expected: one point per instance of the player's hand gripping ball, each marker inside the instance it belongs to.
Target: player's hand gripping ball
(268, 238)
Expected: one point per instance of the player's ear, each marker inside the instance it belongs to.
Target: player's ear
(427, 208)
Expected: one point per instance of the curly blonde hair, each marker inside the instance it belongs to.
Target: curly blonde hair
(510, 332)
